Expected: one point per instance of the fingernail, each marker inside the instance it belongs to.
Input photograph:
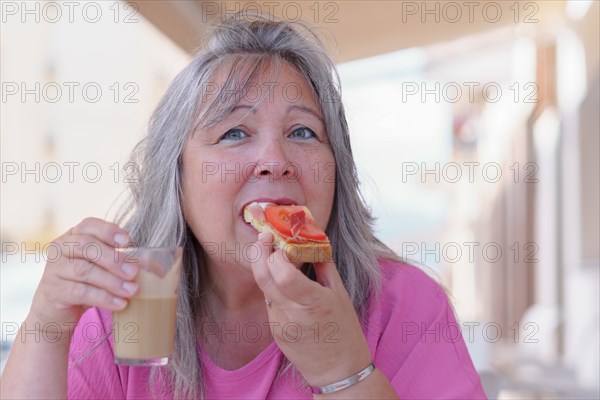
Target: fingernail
(121, 239)
(119, 302)
(262, 235)
(128, 269)
(130, 287)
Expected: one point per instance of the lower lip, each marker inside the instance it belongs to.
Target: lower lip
(250, 227)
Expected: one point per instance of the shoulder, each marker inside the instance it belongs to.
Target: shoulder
(408, 283)
(415, 339)
(407, 295)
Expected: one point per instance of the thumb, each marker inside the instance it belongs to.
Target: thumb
(328, 275)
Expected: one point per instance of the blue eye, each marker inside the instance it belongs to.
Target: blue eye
(233, 134)
(303, 133)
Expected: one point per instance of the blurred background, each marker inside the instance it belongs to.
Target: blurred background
(475, 126)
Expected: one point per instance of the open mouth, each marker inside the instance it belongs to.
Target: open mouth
(282, 201)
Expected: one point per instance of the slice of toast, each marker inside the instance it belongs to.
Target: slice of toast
(306, 252)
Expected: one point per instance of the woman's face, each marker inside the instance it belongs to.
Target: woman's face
(278, 152)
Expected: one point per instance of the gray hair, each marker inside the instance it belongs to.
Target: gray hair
(154, 216)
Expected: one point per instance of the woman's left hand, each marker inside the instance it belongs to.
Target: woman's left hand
(314, 324)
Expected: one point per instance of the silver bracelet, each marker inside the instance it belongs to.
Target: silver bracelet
(343, 384)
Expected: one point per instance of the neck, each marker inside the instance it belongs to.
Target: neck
(233, 293)
(234, 300)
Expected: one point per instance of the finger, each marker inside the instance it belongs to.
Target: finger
(91, 296)
(88, 247)
(105, 231)
(91, 274)
(328, 275)
(260, 270)
(291, 282)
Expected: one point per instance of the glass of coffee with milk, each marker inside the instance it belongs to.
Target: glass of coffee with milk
(144, 332)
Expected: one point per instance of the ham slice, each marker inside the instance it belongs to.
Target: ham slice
(297, 222)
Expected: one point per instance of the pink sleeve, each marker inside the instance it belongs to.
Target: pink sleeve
(92, 371)
(419, 345)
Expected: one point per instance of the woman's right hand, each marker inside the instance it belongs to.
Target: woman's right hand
(87, 273)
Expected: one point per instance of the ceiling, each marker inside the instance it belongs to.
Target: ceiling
(357, 29)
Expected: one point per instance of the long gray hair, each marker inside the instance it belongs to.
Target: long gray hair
(154, 216)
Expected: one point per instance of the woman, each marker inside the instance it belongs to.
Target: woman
(255, 116)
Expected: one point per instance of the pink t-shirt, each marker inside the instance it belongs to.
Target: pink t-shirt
(411, 331)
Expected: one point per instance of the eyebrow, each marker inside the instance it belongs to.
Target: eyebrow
(242, 106)
(289, 109)
(306, 110)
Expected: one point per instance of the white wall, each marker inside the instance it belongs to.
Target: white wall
(63, 129)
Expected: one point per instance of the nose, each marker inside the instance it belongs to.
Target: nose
(274, 162)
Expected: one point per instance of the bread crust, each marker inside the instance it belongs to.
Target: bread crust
(309, 252)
